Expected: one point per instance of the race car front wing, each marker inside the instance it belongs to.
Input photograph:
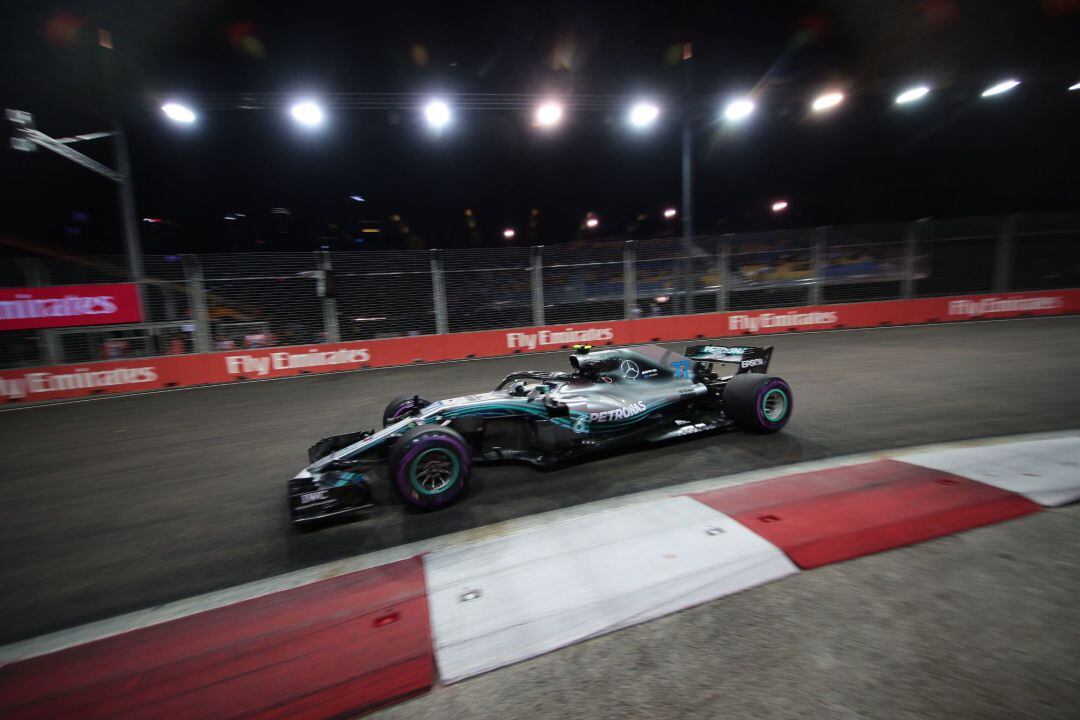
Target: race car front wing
(327, 494)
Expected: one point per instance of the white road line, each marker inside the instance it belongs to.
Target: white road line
(190, 606)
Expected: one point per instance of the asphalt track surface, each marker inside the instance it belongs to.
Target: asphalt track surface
(124, 503)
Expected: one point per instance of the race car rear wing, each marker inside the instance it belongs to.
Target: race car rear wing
(749, 359)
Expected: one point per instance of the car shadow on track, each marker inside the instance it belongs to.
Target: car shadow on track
(511, 489)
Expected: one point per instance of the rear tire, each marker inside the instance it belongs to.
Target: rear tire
(758, 403)
(430, 466)
(403, 407)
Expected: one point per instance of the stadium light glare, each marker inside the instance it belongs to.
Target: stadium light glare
(1002, 87)
(549, 114)
(643, 114)
(307, 113)
(738, 110)
(591, 223)
(437, 113)
(509, 233)
(912, 94)
(1074, 86)
(178, 113)
(827, 101)
(670, 213)
(779, 206)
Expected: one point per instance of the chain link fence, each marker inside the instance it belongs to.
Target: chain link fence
(486, 288)
(383, 294)
(580, 283)
(230, 301)
(769, 269)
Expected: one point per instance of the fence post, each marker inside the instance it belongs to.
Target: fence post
(907, 282)
(816, 254)
(51, 350)
(331, 330)
(1004, 254)
(197, 297)
(723, 262)
(36, 275)
(688, 283)
(438, 292)
(537, 273)
(629, 280)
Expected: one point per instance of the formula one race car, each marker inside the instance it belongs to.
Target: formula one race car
(612, 398)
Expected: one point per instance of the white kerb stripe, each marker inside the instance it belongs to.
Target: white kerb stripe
(1043, 471)
(507, 599)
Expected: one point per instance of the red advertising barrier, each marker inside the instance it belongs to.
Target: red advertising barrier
(68, 306)
(65, 381)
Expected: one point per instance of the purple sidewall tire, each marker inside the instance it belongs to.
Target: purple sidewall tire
(749, 399)
(402, 407)
(765, 423)
(410, 447)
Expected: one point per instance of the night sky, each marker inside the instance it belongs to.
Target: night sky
(869, 161)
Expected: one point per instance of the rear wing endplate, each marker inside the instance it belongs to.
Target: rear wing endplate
(749, 359)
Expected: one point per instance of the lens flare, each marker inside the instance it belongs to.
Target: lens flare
(1002, 87)
(738, 110)
(178, 113)
(827, 101)
(437, 113)
(912, 94)
(643, 114)
(549, 114)
(308, 113)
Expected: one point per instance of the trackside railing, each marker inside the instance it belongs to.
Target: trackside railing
(201, 303)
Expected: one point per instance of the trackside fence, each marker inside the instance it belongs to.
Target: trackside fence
(248, 301)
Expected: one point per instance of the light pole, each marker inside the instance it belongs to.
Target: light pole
(687, 302)
(132, 243)
(26, 137)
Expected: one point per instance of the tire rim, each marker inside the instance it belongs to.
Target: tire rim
(774, 405)
(434, 471)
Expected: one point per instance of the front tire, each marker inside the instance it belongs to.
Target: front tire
(430, 466)
(758, 403)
